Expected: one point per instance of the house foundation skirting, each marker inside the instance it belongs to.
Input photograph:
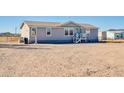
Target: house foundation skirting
(61, 41)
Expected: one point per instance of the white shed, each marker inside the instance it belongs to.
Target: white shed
(110, 35)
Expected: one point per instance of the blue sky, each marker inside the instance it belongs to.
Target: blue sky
(8, 23)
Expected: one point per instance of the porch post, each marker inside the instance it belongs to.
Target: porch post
(36, 36)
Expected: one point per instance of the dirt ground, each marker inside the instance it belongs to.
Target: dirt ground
(71, 60)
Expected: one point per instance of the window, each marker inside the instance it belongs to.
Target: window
(66, 32)
(49, 31)
(118, 35)
(71, 32)
(33, 31)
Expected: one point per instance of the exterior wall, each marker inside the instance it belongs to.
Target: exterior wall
(25, 31)
(58, 35)
(100, 35)
(110, 35)
(123, 35)
(104, 36)
(93, 35)
(118, 36)
(31, 37)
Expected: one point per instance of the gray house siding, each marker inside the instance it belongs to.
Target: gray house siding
(57, 36)
(93, 36)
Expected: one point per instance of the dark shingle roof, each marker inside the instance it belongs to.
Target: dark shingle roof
(116, 30)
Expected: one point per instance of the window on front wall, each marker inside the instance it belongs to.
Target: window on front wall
(49, 32)
(66, 32)
(33, 32)
(71, 32)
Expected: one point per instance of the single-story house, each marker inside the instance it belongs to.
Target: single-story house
(113, 34)
(55, 32)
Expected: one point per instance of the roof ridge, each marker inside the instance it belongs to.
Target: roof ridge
(41, 21)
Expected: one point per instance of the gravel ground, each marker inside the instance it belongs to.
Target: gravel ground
(62, 60)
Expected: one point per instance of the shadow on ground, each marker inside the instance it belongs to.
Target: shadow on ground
(20, 46)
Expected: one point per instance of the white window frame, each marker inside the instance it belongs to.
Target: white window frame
(68, 29)
(72, 31)
(50, 31)
(35, 32)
